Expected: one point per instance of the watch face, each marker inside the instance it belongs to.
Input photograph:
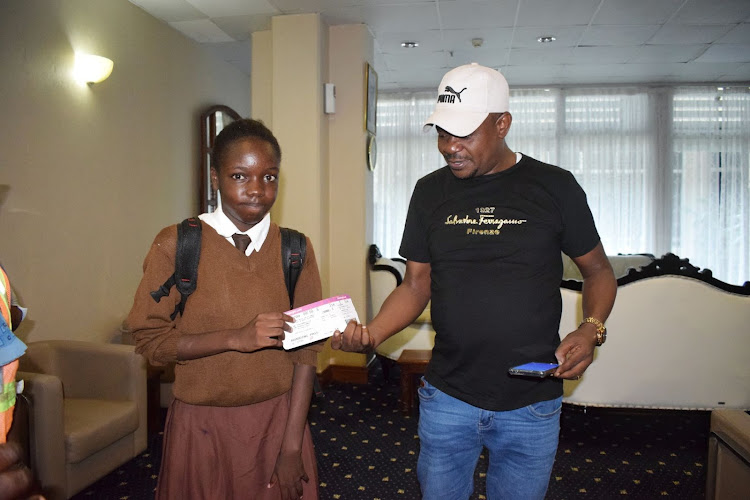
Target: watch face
(372, 151)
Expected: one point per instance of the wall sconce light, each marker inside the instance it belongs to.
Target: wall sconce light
(92, 69)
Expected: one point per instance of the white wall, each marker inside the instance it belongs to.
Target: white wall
(95, 172)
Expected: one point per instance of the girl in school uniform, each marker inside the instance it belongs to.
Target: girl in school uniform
(237, 427)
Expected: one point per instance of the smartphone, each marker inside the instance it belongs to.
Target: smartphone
(534, 369)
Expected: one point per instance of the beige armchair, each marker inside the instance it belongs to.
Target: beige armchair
(384, 275)
(88, 411)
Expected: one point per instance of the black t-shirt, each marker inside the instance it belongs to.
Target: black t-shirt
(494, 243)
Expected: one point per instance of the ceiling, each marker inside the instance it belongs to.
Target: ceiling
(597, 41)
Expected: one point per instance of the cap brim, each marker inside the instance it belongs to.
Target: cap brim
(458, 124)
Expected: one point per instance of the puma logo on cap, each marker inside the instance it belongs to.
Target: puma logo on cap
(458, 94)
(448, 97)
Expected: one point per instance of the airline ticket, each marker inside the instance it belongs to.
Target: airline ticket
(319, 320)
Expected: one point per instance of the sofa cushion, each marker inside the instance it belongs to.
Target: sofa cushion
(93, 424)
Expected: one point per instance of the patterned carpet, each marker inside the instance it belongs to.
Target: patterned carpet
(368, 450)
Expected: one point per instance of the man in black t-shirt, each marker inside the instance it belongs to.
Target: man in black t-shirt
(483, 241)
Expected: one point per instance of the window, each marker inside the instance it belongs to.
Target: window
(710, 203)
(605, 140)
(405, 154)
(664, 169)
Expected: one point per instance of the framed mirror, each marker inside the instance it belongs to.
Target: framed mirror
(213, 120)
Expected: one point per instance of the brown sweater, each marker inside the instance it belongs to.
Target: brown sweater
(232, 289)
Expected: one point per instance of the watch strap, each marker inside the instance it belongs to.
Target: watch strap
(601, 330)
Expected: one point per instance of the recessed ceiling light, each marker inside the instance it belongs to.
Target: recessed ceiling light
(410, 45)
(546, 39)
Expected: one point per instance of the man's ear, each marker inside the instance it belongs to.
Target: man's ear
(503, 124)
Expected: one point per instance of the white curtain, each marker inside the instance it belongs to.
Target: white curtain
(664, 169)
(534, 129)
(711, 183)
(607, 144)
(405, 154)
(605, 140)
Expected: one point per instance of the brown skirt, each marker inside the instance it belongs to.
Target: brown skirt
(226, 453)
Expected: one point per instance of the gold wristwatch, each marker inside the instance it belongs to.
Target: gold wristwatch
(601, 330)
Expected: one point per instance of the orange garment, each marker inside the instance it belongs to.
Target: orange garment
(9, 388)
(8, 392)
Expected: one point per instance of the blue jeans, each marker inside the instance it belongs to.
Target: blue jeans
(522, 444)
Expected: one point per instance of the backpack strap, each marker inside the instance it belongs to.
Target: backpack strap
(293, 252)
(187, 256)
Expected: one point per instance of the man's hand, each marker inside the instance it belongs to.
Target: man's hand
(265, 330)
(576, 352)
(402, 306)
(288, 475)
(355, 338)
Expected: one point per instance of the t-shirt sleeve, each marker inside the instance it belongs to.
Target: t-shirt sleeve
(579, 234)
(414, 241)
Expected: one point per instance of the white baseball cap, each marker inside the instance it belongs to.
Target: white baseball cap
(467, 94)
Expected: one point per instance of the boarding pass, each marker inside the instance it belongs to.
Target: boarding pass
(319, 320)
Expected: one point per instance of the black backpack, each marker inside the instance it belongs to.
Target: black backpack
(185, 276)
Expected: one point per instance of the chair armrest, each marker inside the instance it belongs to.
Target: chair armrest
(384, 276)
(46, 428)
(733, 427)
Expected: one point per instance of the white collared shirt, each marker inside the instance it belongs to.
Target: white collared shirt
(226, 228)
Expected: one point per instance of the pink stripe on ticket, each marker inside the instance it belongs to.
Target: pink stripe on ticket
(335, 298)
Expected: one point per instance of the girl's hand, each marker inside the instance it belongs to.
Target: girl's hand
(265, 330)
(288, 475)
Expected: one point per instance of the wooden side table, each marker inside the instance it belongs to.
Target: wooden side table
(413, 363)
